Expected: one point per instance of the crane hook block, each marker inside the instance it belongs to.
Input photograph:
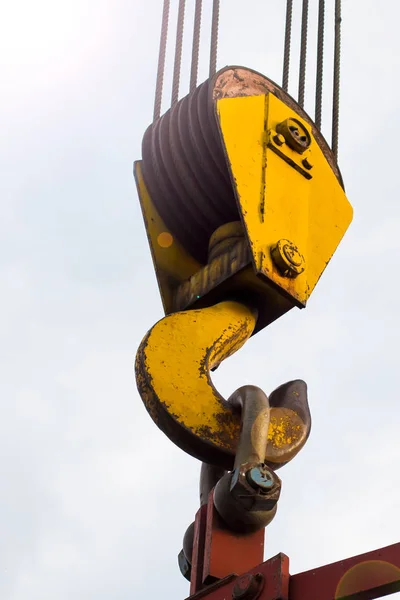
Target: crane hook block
(241, 197)
(173, 366)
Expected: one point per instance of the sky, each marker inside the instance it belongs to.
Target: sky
(95, 500)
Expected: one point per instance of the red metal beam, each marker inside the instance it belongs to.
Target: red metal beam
(226, 552)
(364, 577)
(269, 581)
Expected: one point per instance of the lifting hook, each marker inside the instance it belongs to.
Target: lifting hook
(173, 367)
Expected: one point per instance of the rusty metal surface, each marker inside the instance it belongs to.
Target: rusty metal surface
(246, 498)
(365, 577)
(184, 166)
(209, 477)
(275, 573)
(248, 587)
(213, 275)
(290, 422)
(196, 581)
(172, 368)
(237, 81)
(172, 374)
(226, 551)
(253, 406)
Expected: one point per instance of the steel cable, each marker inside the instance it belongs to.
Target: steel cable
(303, 53)
(288, 35)
(195, 46)
(320, 64)
(161, 61)
(214, 38)
(336, 78)
(178, 53)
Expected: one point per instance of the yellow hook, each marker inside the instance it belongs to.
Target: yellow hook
(173, 367)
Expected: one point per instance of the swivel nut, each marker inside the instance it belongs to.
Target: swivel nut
(257, 487)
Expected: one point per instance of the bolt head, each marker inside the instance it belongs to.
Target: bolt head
(288, 258)
(279, 139)
(296, 135)
(261, 477)
(248, 587)
(307, 164)
(250, 488)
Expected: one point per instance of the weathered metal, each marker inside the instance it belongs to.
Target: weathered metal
(243, 504)
(274, 573)
(173, 367)
(209, 477)
(248, 587)
(308, 208)
(287, 258)
(225, 551)
(296, 134)
(232, 151)
(364, 577)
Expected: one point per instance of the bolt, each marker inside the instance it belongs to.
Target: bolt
(293, 255)
(307, 164)
(287, 258)
(279, 139)
(260, 477)
(248, 587)
(296, 134)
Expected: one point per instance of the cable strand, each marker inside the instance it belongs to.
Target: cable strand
(303, 53)
(320, 64)
(161, 61)
(178, 53)
(195, 46)
(214, 38)
(288, 35)
(336, 78)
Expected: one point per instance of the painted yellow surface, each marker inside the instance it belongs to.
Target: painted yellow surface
(177, 356)
(287, 433)
(172, 263)
(276, 200)
(173, 367)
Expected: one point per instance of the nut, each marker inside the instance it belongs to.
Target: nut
(260, 477)
(287, 258)
(296, 135)
(248, 587)
(251, 490)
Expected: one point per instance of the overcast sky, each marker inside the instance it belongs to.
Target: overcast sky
(94, 499)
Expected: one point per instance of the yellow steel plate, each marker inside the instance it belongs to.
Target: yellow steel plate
(276, 200)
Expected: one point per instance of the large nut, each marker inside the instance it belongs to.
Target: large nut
(256, 487)
(296, 135)
(244, 505)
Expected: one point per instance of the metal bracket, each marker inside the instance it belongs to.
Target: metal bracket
(295, 160)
